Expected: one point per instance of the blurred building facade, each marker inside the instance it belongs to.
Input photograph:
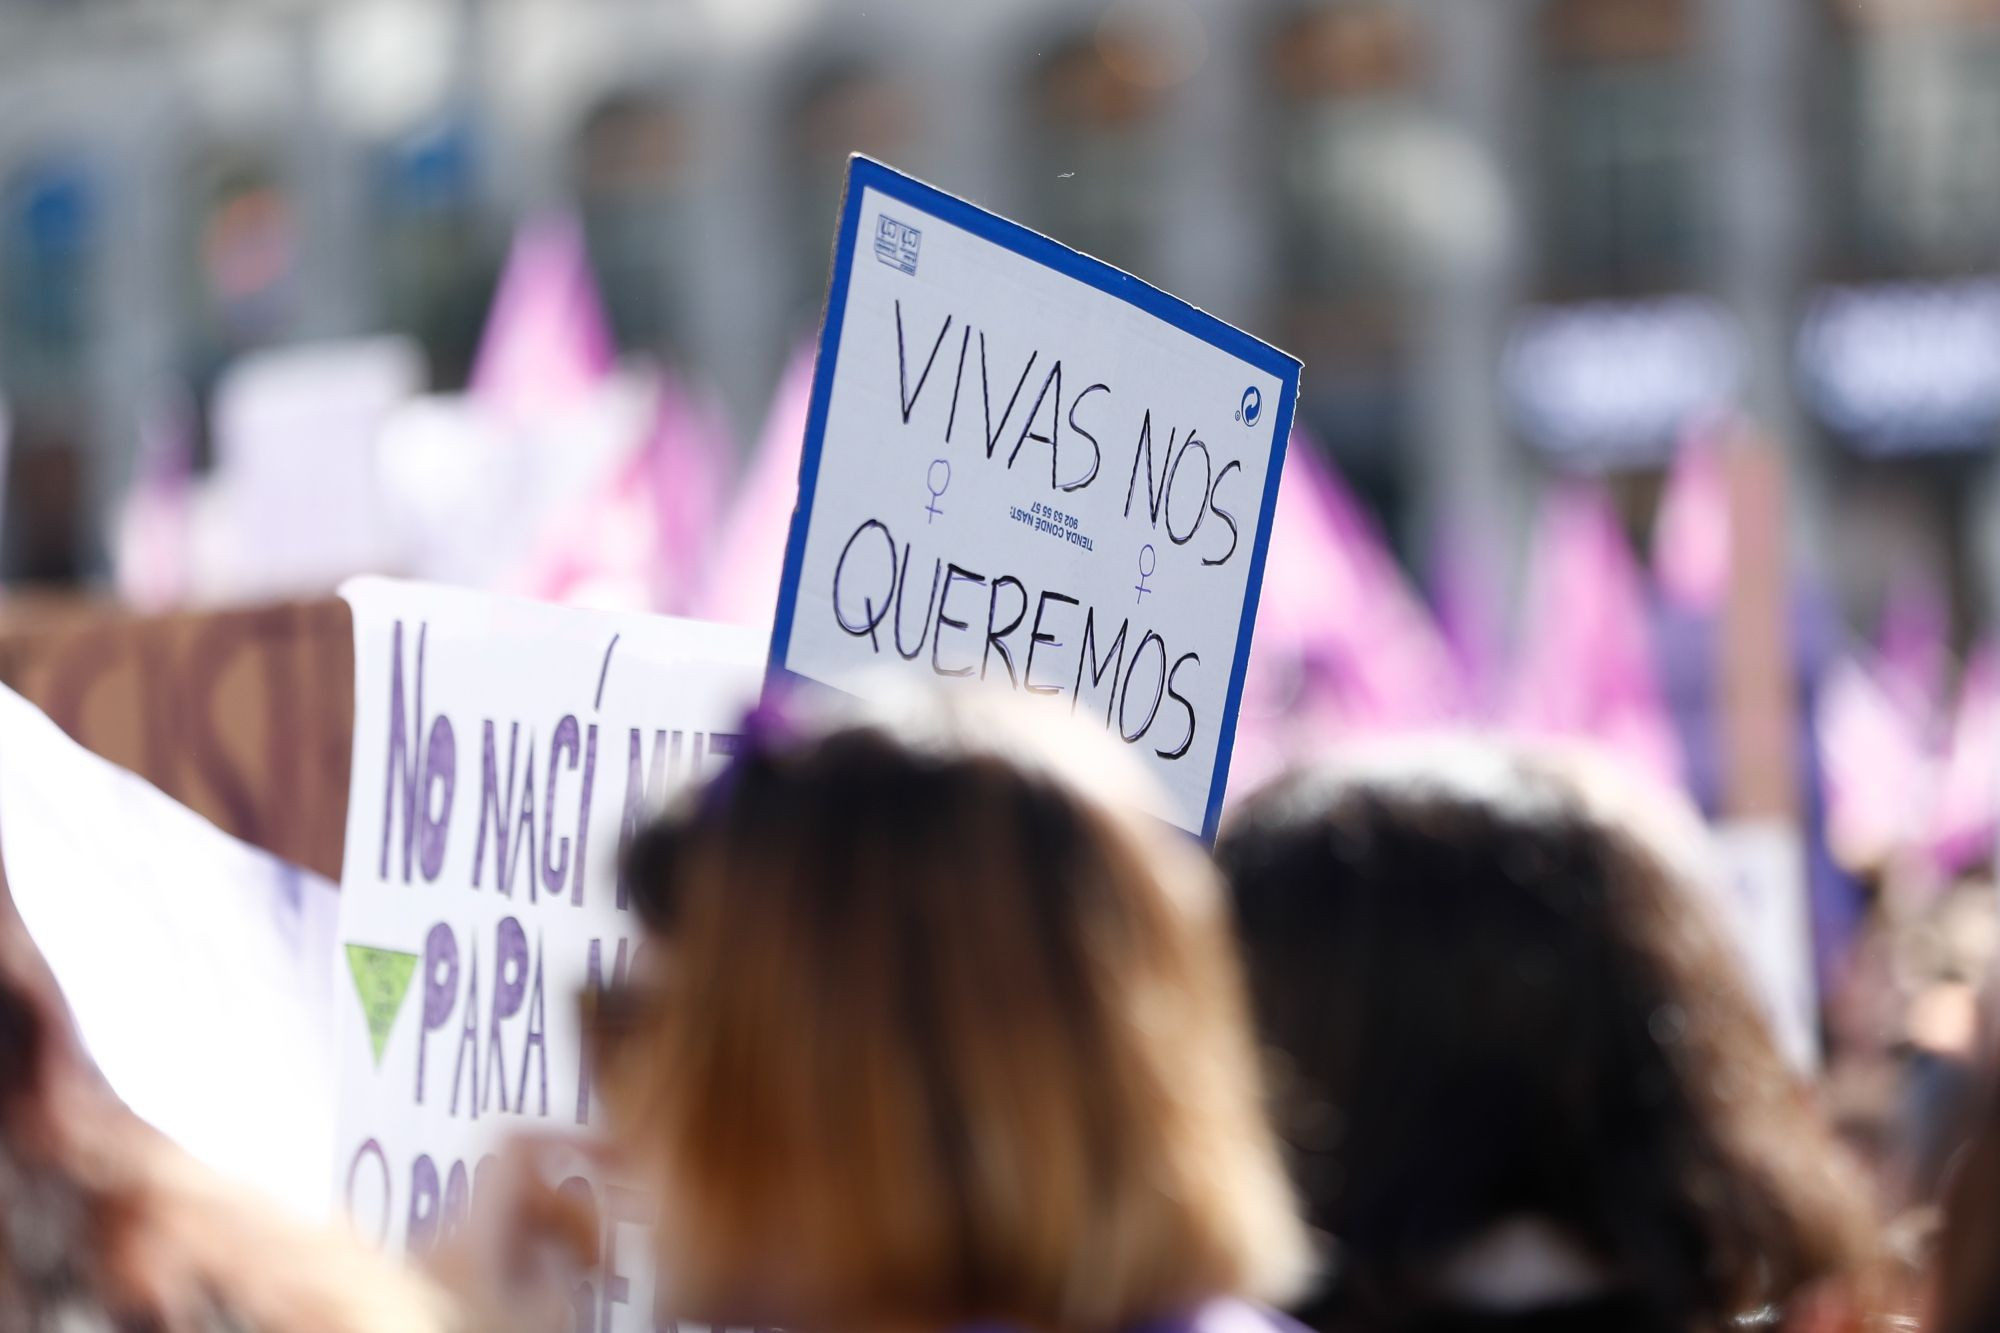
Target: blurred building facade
(1509, 238)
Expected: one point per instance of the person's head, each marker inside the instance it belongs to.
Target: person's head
(929, 1034)
(1495, 992)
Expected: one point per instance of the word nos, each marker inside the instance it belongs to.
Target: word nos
(1177, 494)
(1042, 518)
(421, 786)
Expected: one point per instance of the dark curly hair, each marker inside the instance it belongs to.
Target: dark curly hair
(1493, 993)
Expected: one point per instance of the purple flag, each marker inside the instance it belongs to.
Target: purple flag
(1586, 667)
(546, 342)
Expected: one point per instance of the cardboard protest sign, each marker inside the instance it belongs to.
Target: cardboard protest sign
(1763, 867)
(1022, 465)
(1761, 833)
(294, 504)
(199, 970)
(502, 751)
(243, 715)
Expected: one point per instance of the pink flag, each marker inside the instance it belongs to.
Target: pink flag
(1467, 590)
(1691, 547)
(1912, 650)
(749, 560)
(546, 342)
(1875, 773)
(1343, 644)
(1967, 801)
(1586, 666)
(641, 539)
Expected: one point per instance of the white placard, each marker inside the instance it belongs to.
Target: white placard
(199, 969)
(1763, 864)
(501, 748)
(294, 504)
(1022, 465)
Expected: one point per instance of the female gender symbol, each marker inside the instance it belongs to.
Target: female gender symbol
(936, 487)
(1149, 559)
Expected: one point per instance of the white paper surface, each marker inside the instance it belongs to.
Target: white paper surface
(1004, 431)
(294, 504)
(199, 969)
(454, 471)
(1763, 865)
(509, 711)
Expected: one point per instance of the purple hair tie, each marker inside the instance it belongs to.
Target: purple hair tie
(768, 727)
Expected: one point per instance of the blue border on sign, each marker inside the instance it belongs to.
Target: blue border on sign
(863, 174)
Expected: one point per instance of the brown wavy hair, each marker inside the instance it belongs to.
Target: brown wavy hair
(1497, 992)
(931, 1034)
(1968, 1247)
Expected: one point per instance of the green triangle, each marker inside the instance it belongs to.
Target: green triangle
(381, 979)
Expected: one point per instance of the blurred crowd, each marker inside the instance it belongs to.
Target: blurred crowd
(934, 1031)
